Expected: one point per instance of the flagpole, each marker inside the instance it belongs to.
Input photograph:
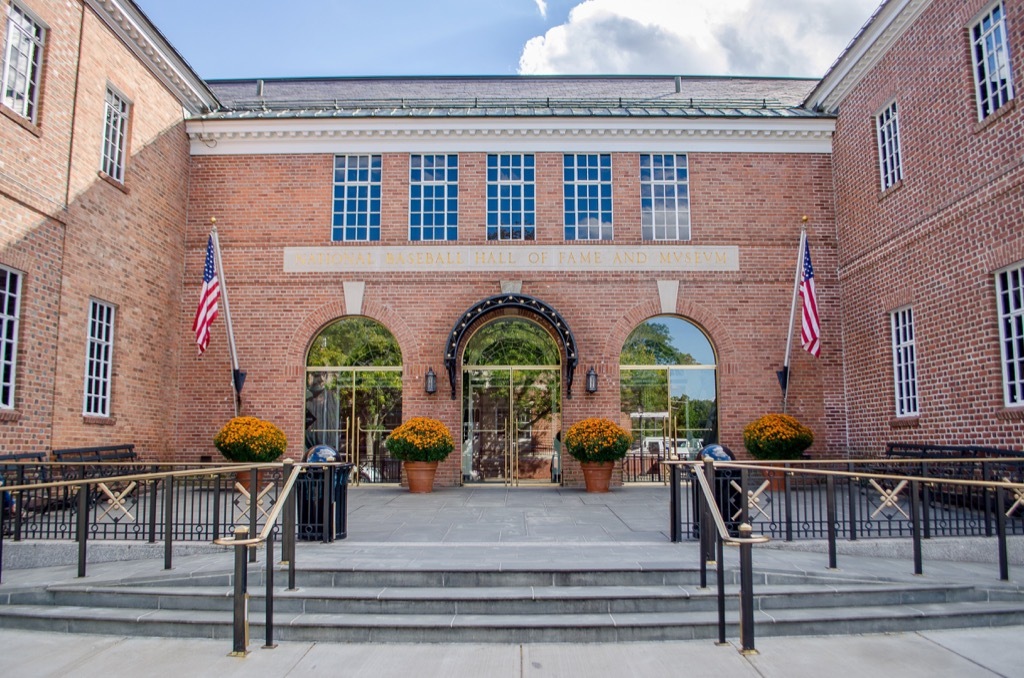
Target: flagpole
(227, 311)
(792, 315)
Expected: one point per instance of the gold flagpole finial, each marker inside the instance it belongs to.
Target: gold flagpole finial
(804, 218)
(213, 223)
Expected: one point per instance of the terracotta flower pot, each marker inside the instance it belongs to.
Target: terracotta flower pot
(421, 475)
(597, 475)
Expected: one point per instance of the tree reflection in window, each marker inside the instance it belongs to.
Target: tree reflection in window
(668, 383)
(354, 393)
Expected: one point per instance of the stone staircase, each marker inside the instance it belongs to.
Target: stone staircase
(504, 605)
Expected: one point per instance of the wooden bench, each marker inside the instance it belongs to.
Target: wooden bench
(925, 452)
(1012, 470)
(101, 453)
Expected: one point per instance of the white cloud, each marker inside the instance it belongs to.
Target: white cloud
(542, 5)
(699, 37)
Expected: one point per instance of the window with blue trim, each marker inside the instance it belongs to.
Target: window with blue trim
(664, 197)
(433, 197)
(356, 198)
(511, 200)
(587, 190)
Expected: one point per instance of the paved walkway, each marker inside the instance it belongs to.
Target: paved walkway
(519, 528)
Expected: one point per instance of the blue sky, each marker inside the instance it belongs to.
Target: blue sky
(259, 38)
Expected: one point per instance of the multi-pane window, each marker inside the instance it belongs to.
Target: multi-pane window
(510, 197)
(1010, 289)
(904, 362)
(99, 359)
(890, 165)
(115, 136)
(587, 189)
(990, 54)
(10, 302)
(356, 198)
(23, 57)
(664, 197)
(433, 197)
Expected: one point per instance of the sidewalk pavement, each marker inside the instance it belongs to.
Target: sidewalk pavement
(461, 528)
(927, 654)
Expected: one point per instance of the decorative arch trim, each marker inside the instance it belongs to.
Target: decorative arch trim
(506, 301)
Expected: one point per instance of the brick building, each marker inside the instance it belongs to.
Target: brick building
(511, 254)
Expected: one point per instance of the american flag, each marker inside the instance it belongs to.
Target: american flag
(810, 332)
(207, 311)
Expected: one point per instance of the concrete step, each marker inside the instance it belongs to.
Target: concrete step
(506, 600)
(609, 627)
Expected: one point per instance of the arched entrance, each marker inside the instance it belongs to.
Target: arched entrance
(354, 395)
(669, 391)
(511, 404)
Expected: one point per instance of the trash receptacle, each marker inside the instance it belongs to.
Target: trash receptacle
(321, 495)
(728, 496)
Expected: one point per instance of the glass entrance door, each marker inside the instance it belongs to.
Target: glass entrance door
(512, 421)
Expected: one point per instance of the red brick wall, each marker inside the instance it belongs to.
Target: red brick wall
(265, 203)
(125, 246)
(935, 240)
(122, 245)
(33, 177)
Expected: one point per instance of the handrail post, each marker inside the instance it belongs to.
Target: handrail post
(289, 535)
(217, 480)
(706, 524)
(788, 494)
(168, 520)
(702, 520)
(852, 499)
(744, 496)
(82, 525)
(675, 527)
(19, 503)
(1004, 563)
(986, 503)
(720, 575)
(915, 524)
(240, 631)
(153, 485)
(830, 516)
(269, 599)
(254, 494)
(926, 500)
(746, 592)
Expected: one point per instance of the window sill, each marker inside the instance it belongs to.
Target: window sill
(889, 191)
(905, 422)
(92, 420)
(1015, 413)
(114, 182)
(22, 121)
(10, 415)
(1000, 113)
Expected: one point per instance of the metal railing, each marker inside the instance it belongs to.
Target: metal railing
(853, 500)
(714, 534)
(244, 542)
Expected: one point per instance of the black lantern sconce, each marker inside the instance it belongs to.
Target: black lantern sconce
(591, 380)
(430, 382)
